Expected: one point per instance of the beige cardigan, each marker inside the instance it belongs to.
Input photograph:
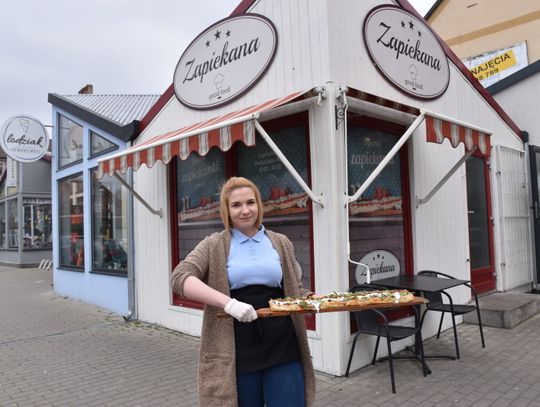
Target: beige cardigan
(217, 373)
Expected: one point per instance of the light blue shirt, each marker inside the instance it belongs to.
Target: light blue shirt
(253, 261)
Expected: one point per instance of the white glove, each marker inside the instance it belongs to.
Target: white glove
(241, 311)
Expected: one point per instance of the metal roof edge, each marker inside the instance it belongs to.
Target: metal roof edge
(516, 77)
(125, 133)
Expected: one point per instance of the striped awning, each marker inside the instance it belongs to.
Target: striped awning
(222, 132)
(438, 129)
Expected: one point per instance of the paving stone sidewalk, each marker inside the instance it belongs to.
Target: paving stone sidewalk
(56, 351)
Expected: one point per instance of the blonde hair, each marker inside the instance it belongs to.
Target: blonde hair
(226, 191)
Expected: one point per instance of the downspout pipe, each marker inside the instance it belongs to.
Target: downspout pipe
(132, 308)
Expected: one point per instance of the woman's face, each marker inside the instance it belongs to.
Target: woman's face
(243, 210)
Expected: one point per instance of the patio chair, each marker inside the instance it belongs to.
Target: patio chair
(374, 322)
(436, 304)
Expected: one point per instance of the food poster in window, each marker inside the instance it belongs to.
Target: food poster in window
(199, 184)
(280, 192)
(366, 149)
(376, 227)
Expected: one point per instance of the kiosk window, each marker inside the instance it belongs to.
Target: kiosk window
(109, 226)
(70, 141)
(71, 222)
(287, 209)
(377, 224)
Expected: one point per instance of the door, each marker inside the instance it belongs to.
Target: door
(534, 154)
(480, 226)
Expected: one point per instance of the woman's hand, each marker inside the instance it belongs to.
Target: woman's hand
(242, 311)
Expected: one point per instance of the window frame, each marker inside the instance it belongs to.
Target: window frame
(98, 270)
(60, 141)
(91, 155)
(281, 123)
(59, 213)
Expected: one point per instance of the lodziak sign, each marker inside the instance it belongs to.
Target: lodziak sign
(24, 138)
(406, 52)
(224, 61)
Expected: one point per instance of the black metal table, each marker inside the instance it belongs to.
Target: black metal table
(420, 285)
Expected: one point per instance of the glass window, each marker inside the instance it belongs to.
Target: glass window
(2, 225)
(285, 202)
(100, 145)
(13, 224)
(70, 141)
(109, 225)
(376, 220)
(478, 213)
(37, 223)
(286, 205)
(71, 245)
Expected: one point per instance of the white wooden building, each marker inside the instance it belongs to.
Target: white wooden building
(335, 115)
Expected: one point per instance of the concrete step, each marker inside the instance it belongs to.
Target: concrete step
(505, 310)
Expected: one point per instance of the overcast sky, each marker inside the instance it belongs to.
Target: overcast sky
(118, 46)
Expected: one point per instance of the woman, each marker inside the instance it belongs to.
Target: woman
(245, 361)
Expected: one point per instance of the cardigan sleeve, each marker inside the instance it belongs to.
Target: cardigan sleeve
(289, 248)
(195, 264)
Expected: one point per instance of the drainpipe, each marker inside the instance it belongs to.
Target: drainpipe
(132, 309)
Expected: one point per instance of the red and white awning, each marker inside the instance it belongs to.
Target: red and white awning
(222, 131)
(438, 128)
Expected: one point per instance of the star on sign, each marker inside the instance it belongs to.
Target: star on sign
(402, 24)
(419, 33)
(228, 33)
(207, 43)
(411, 25)
(217, 34)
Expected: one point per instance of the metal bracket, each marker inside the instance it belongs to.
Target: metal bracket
(422, 201)
(340, 115)
(138, 197)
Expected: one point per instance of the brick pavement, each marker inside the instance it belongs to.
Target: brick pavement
(61, 352)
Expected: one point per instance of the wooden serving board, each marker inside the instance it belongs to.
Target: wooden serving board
(267, 312)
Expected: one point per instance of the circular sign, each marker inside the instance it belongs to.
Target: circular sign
(224, 61)
(406, 51)
(381, 263)
(24, 138)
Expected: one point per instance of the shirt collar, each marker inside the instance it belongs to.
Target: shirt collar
(241, 238)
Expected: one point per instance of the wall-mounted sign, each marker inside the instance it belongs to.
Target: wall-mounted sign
(493, 66)
(406, 51)
(224, 61)
(381, 263)
(24, 138)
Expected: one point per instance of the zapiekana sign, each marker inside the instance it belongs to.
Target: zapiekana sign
(224, 61)
(24, 138)
(381, 263)
(406, 51)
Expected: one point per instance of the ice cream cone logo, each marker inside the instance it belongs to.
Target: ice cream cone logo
(24, 123)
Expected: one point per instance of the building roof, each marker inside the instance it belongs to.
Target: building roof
(516, 77)
(119, 115)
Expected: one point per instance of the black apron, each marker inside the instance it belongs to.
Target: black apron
(265, 342)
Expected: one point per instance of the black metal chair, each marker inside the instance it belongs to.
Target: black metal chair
(436, 304)
(374, 322)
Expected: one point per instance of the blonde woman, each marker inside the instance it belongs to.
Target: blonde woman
(245, 361)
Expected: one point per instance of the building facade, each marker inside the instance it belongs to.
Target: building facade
(25, 212)
(92, 218)
(353, 165)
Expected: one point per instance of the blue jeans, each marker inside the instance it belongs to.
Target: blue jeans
(277, 386)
